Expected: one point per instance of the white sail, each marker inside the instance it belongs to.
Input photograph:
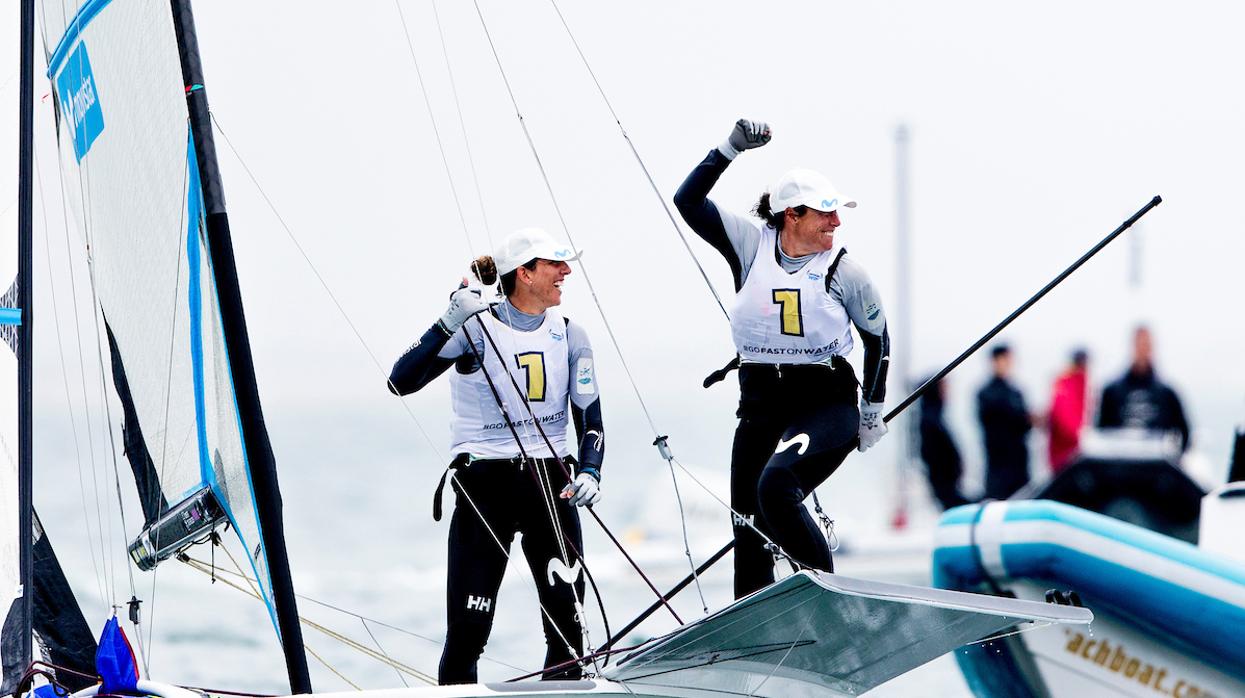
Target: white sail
(131, 178)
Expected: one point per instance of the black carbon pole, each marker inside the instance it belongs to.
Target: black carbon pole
(667, 596)
(1025, 306)
(26, 334)
(260, 460)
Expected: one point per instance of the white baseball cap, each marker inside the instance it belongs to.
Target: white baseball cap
(806, 188)
(522, 246)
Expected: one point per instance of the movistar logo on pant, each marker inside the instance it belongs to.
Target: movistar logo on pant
(79, 101)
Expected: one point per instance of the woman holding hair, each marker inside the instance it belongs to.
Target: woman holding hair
(517, 365)
(797, 296)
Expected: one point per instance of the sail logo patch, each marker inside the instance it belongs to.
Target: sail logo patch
(79, 101)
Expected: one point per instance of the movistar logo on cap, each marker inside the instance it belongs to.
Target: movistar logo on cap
(829, 203)
(561, 253)
(79, 102)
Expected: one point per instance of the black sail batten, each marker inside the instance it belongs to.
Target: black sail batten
(260, 459)
(146, 479)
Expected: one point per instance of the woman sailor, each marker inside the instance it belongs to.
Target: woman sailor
(797, 295)
(505, 476)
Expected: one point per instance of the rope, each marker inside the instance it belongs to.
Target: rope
(597, 302)
(358, 335)
(542, 482)
(462, 124)
(639, 160)
(60, 346)
(252, 591)
(445, 161)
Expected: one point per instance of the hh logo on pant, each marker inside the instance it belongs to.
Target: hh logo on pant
(483, 604)
(741, 520)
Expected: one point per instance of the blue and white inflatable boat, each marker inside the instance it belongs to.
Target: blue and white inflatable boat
(1169, 616)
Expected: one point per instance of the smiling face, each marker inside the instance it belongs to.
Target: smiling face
(540, 288)
(810, 233)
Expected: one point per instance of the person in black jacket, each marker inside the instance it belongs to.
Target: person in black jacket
(942, 459)
(1139, 399)
(1005, 424)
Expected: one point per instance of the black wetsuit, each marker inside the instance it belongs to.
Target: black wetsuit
(782, 403)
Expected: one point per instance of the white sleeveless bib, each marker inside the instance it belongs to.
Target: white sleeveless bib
(781, 318)
(538, 360)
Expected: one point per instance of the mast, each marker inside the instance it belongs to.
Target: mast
(260, 459)
(903, 325)
(25, 354)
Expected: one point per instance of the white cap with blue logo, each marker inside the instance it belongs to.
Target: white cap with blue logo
(806, 188)
(522, 246)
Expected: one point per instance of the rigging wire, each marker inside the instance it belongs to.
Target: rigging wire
(562, 219)
(168, 384)
(401, 676)
(346, 317)
(445, 161)
(60, 346)
(105, 594)
(323, 284)
(85, 200)
(354, 644)
(660, 439)
(462, 124)
(640, 161)
(678, 231)
(203, 566)
(542, 478)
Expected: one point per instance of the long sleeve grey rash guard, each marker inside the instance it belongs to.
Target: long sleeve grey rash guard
(435, 352)
(737, 238)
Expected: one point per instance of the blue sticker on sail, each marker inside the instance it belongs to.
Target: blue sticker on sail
(75, 86)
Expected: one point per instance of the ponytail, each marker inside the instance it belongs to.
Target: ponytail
(485, 269)
(774, 219)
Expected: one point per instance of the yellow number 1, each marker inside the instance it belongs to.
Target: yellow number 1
(533, 365)
(789, 299)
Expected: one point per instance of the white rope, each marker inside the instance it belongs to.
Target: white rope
(639, 160)
(588, 279)
(60, 346)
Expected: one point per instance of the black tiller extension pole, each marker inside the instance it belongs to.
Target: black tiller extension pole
(667, 596)
(1027, 304)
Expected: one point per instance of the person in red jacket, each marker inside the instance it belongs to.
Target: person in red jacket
(1067, 411)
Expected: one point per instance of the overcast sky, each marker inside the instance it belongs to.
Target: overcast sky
(1034, 133)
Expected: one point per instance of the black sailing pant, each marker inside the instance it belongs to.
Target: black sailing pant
(797, 424)
(509, 499)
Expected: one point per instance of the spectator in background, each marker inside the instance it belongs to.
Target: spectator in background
(1005, 424)
(1067, 411)
(942, 459)
(1139, 400)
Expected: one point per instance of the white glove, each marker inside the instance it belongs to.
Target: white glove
(872, 428)
(465, 302)
(584, 491)
(746, 135)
